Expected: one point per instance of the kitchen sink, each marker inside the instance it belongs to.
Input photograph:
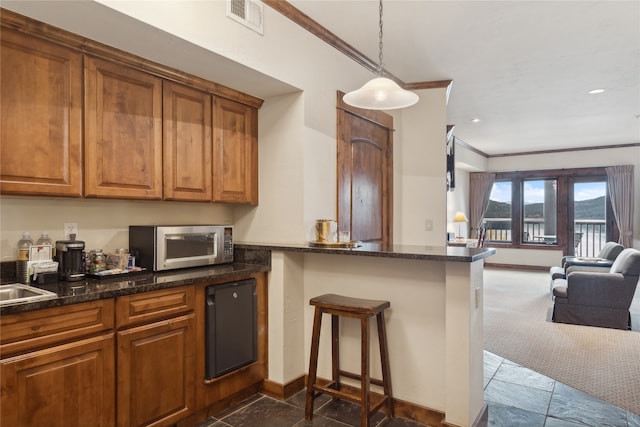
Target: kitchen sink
(17, 293)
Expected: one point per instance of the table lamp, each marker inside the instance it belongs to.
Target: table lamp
(460, 218)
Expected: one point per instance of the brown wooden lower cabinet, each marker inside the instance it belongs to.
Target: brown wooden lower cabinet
(61, 386)
(136, 360)
(156, 372)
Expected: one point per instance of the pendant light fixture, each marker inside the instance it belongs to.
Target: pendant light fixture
(380, 93)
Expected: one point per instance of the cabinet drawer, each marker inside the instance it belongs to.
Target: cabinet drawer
(36, 329)
(150, 306)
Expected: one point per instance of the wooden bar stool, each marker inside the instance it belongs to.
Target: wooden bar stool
(362, 309)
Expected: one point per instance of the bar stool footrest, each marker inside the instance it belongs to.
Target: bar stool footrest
(351, 394)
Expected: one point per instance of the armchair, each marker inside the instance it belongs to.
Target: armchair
(601, 263)
(599, 299)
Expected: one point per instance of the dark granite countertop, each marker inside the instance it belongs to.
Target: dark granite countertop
(250, 258)
(430, 253)
(105, 288)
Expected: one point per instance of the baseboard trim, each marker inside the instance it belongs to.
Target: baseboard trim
(418, 413)
(517, 267)
(401, 408)
(283, 391)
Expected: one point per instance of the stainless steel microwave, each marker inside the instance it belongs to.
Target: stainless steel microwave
(158, 248)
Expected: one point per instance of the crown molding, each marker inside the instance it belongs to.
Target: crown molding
(437, 84)
(305, 21)
(463, 144)
(566, 150)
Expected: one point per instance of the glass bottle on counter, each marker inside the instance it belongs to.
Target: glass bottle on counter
(23, 246)
(46, 240)
(98, 261)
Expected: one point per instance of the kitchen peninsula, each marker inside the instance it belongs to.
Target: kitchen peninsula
(434, 325)
(434, 330)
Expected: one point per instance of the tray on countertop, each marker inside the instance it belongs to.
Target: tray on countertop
(351, 244)
(109, 274)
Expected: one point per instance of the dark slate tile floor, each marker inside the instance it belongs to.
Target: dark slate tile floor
(516, 396)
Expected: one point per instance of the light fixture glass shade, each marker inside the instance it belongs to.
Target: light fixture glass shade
(380, 94)
(460, 217)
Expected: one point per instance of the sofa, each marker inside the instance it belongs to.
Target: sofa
(601, 263)
(596, 298)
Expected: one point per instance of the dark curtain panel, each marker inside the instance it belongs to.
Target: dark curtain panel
(620, 184)
(480, 185)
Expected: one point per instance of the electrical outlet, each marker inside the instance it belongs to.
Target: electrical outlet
(69, 229)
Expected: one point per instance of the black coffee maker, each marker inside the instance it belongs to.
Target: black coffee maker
(69, 254)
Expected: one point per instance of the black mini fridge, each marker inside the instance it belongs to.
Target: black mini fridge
(232, 327)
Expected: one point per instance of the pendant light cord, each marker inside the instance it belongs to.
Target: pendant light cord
(380, 43)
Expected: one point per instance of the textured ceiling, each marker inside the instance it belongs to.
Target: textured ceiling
(522, 67)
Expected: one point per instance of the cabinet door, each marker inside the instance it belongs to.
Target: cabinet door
(123, 132)
(41, 117)
(68, 385)
(156, 373)
(187, 143)
(235, 152)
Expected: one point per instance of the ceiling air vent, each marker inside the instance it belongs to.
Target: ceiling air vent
(246, 12)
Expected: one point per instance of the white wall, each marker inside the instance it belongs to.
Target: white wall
(101, 223)
(420, 168)
(281, 174)
(415, 322)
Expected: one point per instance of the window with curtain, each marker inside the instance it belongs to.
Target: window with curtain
(546, 210)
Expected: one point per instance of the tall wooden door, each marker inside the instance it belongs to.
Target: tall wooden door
(365, 174)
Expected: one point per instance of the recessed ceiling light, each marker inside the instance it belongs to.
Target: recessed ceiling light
(476, 120)
(596, 91)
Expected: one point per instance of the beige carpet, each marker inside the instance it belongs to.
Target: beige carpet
(602, 362)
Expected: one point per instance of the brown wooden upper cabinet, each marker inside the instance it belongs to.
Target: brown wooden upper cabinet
(235, 152)
(145, 131)
(41, 117)
(187, 143)
(123, 132)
